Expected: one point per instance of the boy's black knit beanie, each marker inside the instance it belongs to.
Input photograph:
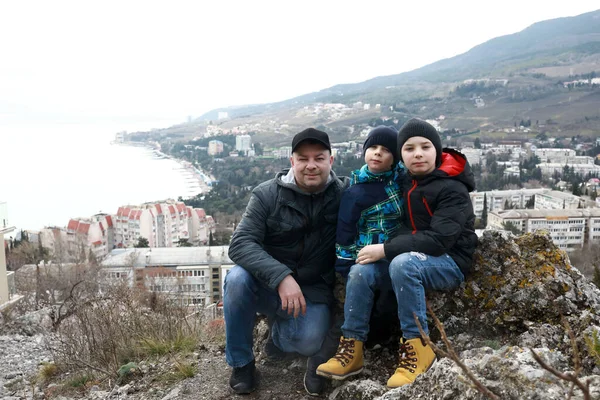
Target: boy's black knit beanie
(417, 127)
(386, 136)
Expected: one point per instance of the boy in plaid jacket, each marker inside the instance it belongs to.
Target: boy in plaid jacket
(371, 208)
(370, 213)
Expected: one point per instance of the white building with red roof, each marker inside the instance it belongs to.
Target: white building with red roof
(163, 224)
(81, 238)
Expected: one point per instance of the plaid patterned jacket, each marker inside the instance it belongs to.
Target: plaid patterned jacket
(370, 213)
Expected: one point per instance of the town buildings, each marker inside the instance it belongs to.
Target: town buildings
(7, 283)
(243, 143)
(162, 224)
(500, 199)
(192, 275)
(570, 229)
(215, 147)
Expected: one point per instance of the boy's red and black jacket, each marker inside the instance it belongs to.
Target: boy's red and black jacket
(439, 217)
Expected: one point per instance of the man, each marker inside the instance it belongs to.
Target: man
(284, 248)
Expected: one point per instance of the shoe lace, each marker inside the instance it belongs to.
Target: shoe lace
(407, 357)
(345, 351)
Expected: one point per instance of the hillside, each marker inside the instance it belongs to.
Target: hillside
(532, 64)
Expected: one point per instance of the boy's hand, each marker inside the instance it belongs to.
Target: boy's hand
(371, 253)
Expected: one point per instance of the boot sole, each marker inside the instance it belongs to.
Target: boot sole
(339, 377)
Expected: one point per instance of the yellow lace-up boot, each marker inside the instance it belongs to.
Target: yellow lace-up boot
(347, 361)
(415, 358)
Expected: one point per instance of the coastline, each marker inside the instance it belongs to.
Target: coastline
(197, 180)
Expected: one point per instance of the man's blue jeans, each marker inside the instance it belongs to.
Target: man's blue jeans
(244, 297)
(410, 275)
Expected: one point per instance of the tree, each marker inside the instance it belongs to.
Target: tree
(484, 213)
(184, 243)
(511, 227)
(596, 279)
(530, 203)
(477, 143)
(142, 242)
(258, 149)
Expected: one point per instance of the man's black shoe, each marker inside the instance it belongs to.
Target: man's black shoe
(244, 379)
(313, 383)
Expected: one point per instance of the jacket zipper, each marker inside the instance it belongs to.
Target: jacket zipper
(410, 215)
(427, 207)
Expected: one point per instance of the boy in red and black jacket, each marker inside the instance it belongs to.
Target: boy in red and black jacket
(433, 251)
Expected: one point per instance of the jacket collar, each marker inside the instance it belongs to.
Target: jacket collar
(286, 179)
(454, 166)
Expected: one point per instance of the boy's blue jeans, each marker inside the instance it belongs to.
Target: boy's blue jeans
(410, 275)
(244, 296)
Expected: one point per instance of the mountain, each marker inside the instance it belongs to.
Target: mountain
(534, 61)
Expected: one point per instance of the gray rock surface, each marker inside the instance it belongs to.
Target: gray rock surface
(515, 300)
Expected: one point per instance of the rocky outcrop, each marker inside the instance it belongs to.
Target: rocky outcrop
(516, 299)
(518, 292)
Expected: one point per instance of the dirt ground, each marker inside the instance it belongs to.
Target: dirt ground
(278, 379)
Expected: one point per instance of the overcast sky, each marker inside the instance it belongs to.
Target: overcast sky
(169, 60)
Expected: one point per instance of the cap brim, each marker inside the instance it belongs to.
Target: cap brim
(326, 145)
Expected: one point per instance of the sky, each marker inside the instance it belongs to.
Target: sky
(160, 62)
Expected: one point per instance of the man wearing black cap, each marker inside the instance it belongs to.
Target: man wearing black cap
(284, 248)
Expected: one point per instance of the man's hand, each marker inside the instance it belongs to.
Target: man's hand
(371, 253)
(291, 296)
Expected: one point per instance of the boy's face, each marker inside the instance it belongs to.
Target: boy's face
(378, 159)
(418, 155)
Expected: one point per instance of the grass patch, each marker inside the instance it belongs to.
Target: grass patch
(186, 369)
(79, 381)
(593, 346)
(161, 347)
(493, 344)
(182, 370)
(48, 371)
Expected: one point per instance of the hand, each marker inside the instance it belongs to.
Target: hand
(291, 296)
(371, 253)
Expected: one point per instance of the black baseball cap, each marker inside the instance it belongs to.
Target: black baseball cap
(311, 134)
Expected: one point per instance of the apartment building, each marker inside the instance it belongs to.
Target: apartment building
(579, 165)
(163, 224)
(193, 275)
(7, 286)
(243, 143)
(81, 237)
(215, 147)
(553, 155)
(556, 200)
(497, 199)
(569, 229)
(474, 156)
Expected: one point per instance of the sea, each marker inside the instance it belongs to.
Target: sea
(53, 172)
